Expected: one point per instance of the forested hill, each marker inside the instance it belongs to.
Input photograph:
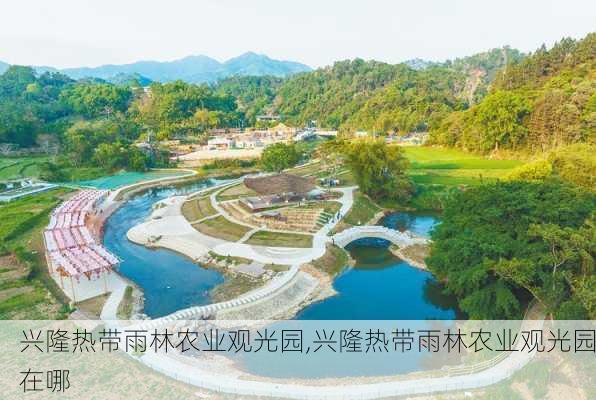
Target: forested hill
(331, 95)
(544, 101)
(254, 94)
(481, 70)
(370, 95)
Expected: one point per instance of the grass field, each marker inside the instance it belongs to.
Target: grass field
(26, 290)
(305, 170)
(221, 228)
(20, 167)
(362, 211)
(277, 239)
(194, 210)
(450, 167)
(438, 172)
(234, 192)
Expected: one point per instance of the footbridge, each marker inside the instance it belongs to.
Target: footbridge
(401, 239)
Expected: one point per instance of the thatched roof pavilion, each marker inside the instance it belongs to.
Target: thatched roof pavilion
(279, 184)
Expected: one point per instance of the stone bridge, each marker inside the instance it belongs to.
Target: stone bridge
(401, 239)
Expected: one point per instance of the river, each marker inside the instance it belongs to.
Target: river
(169, 280)
(380, 286)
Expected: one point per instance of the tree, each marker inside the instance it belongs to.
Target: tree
(575, 164)
(500, 117)
(501, 244)
(94, 100)
(205, 119)
(279, 156)
(379, 169)
(533, 171)
(179, 109)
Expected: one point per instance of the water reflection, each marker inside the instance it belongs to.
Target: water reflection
(381, 286)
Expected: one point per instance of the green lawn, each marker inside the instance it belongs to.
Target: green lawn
(234, 192)
(277, 239)
(20, 167)
(437, 171)
(195, 209)
(362, 211)
(221, 228)
(306, 169)
(28, 292)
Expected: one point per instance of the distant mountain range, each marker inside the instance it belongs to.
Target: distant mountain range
(195, 69)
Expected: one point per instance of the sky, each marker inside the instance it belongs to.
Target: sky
(63, 33)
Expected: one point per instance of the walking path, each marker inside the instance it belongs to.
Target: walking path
(200, 372)
(401, 239)
(167, 228)
(109, 311)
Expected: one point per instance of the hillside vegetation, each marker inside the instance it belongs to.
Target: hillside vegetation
(544, 101)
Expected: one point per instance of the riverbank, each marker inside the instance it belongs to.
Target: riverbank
(113, 283)
(413, 255)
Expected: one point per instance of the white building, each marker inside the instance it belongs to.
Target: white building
(220, 143)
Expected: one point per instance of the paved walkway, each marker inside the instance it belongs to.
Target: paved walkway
(110, 308)
(199, 372)
(401, 239)
(167, 228)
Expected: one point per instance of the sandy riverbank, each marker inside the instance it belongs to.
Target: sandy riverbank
(413, 255)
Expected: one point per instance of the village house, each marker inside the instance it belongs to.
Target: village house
(220, 143)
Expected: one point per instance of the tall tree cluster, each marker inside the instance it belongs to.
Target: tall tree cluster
(502, 244)
(544, 101)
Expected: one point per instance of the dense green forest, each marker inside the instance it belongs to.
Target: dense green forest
(95, 124)
(500, 245)
(499, 99)
(544, 101)
(374, 96)
(254, 94)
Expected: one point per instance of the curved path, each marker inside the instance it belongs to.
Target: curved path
(199, 373)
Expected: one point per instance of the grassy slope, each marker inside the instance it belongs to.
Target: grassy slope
(20, 167)
(333, 261)
(21, 234)
(264, 238)
(196, 209)
(220, 227)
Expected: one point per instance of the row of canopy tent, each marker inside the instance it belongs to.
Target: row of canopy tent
(71, 248)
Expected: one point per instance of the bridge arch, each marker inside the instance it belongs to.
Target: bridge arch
(401, 239)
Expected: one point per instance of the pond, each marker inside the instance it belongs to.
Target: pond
(170, 282)
(380, 293)
(383, 287)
